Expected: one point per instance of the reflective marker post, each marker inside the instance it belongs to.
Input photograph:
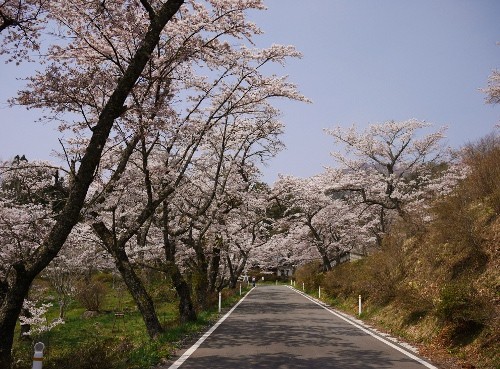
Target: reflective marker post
(38, 356)
(359, 305)
(220, 302)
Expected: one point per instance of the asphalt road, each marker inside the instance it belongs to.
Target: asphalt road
(276, 327)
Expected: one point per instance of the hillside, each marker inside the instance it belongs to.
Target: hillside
(436, 279)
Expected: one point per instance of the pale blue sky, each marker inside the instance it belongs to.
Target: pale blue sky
(371, 61)
(365, 61)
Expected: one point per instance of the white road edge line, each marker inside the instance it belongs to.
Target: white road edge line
(403, 351)
(198, 343)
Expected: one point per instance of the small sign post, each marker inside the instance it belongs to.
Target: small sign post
(38, 356)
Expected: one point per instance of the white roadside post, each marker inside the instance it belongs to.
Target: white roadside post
(220, 302)
(359, 305)
(38, 356)
(319, 292)
(303, 286)
(240, 289)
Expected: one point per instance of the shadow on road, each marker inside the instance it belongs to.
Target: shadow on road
(277, 328)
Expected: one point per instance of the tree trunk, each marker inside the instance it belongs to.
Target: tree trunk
(139, 294)
(134, 284)
(327, 265)
(200, 274)
(187, 312)
(12, 303)
(200, 284)
(213, 269)
(234, 274)
(62, 308)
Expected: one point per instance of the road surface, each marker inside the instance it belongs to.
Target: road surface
(276, 327)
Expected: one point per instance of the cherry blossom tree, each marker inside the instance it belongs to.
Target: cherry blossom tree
(244, 232)
(21, 23)
(389, 170)
(35, 318)
(26, 210)
(124, 79)
(329, 224)
(85, 27)
(158, 137)
(216, 186)
(389, 166)
(493, 90)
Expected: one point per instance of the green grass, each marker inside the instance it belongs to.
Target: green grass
(107, 341)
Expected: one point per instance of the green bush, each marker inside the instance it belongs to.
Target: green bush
(461, 304)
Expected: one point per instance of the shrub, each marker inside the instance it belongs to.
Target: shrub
(341, 281)
(483, 182)
(413, 301)
(461, 304)
(310, 274)
(104, 277)
(164, 292)
(93, 355)
(90, 294)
